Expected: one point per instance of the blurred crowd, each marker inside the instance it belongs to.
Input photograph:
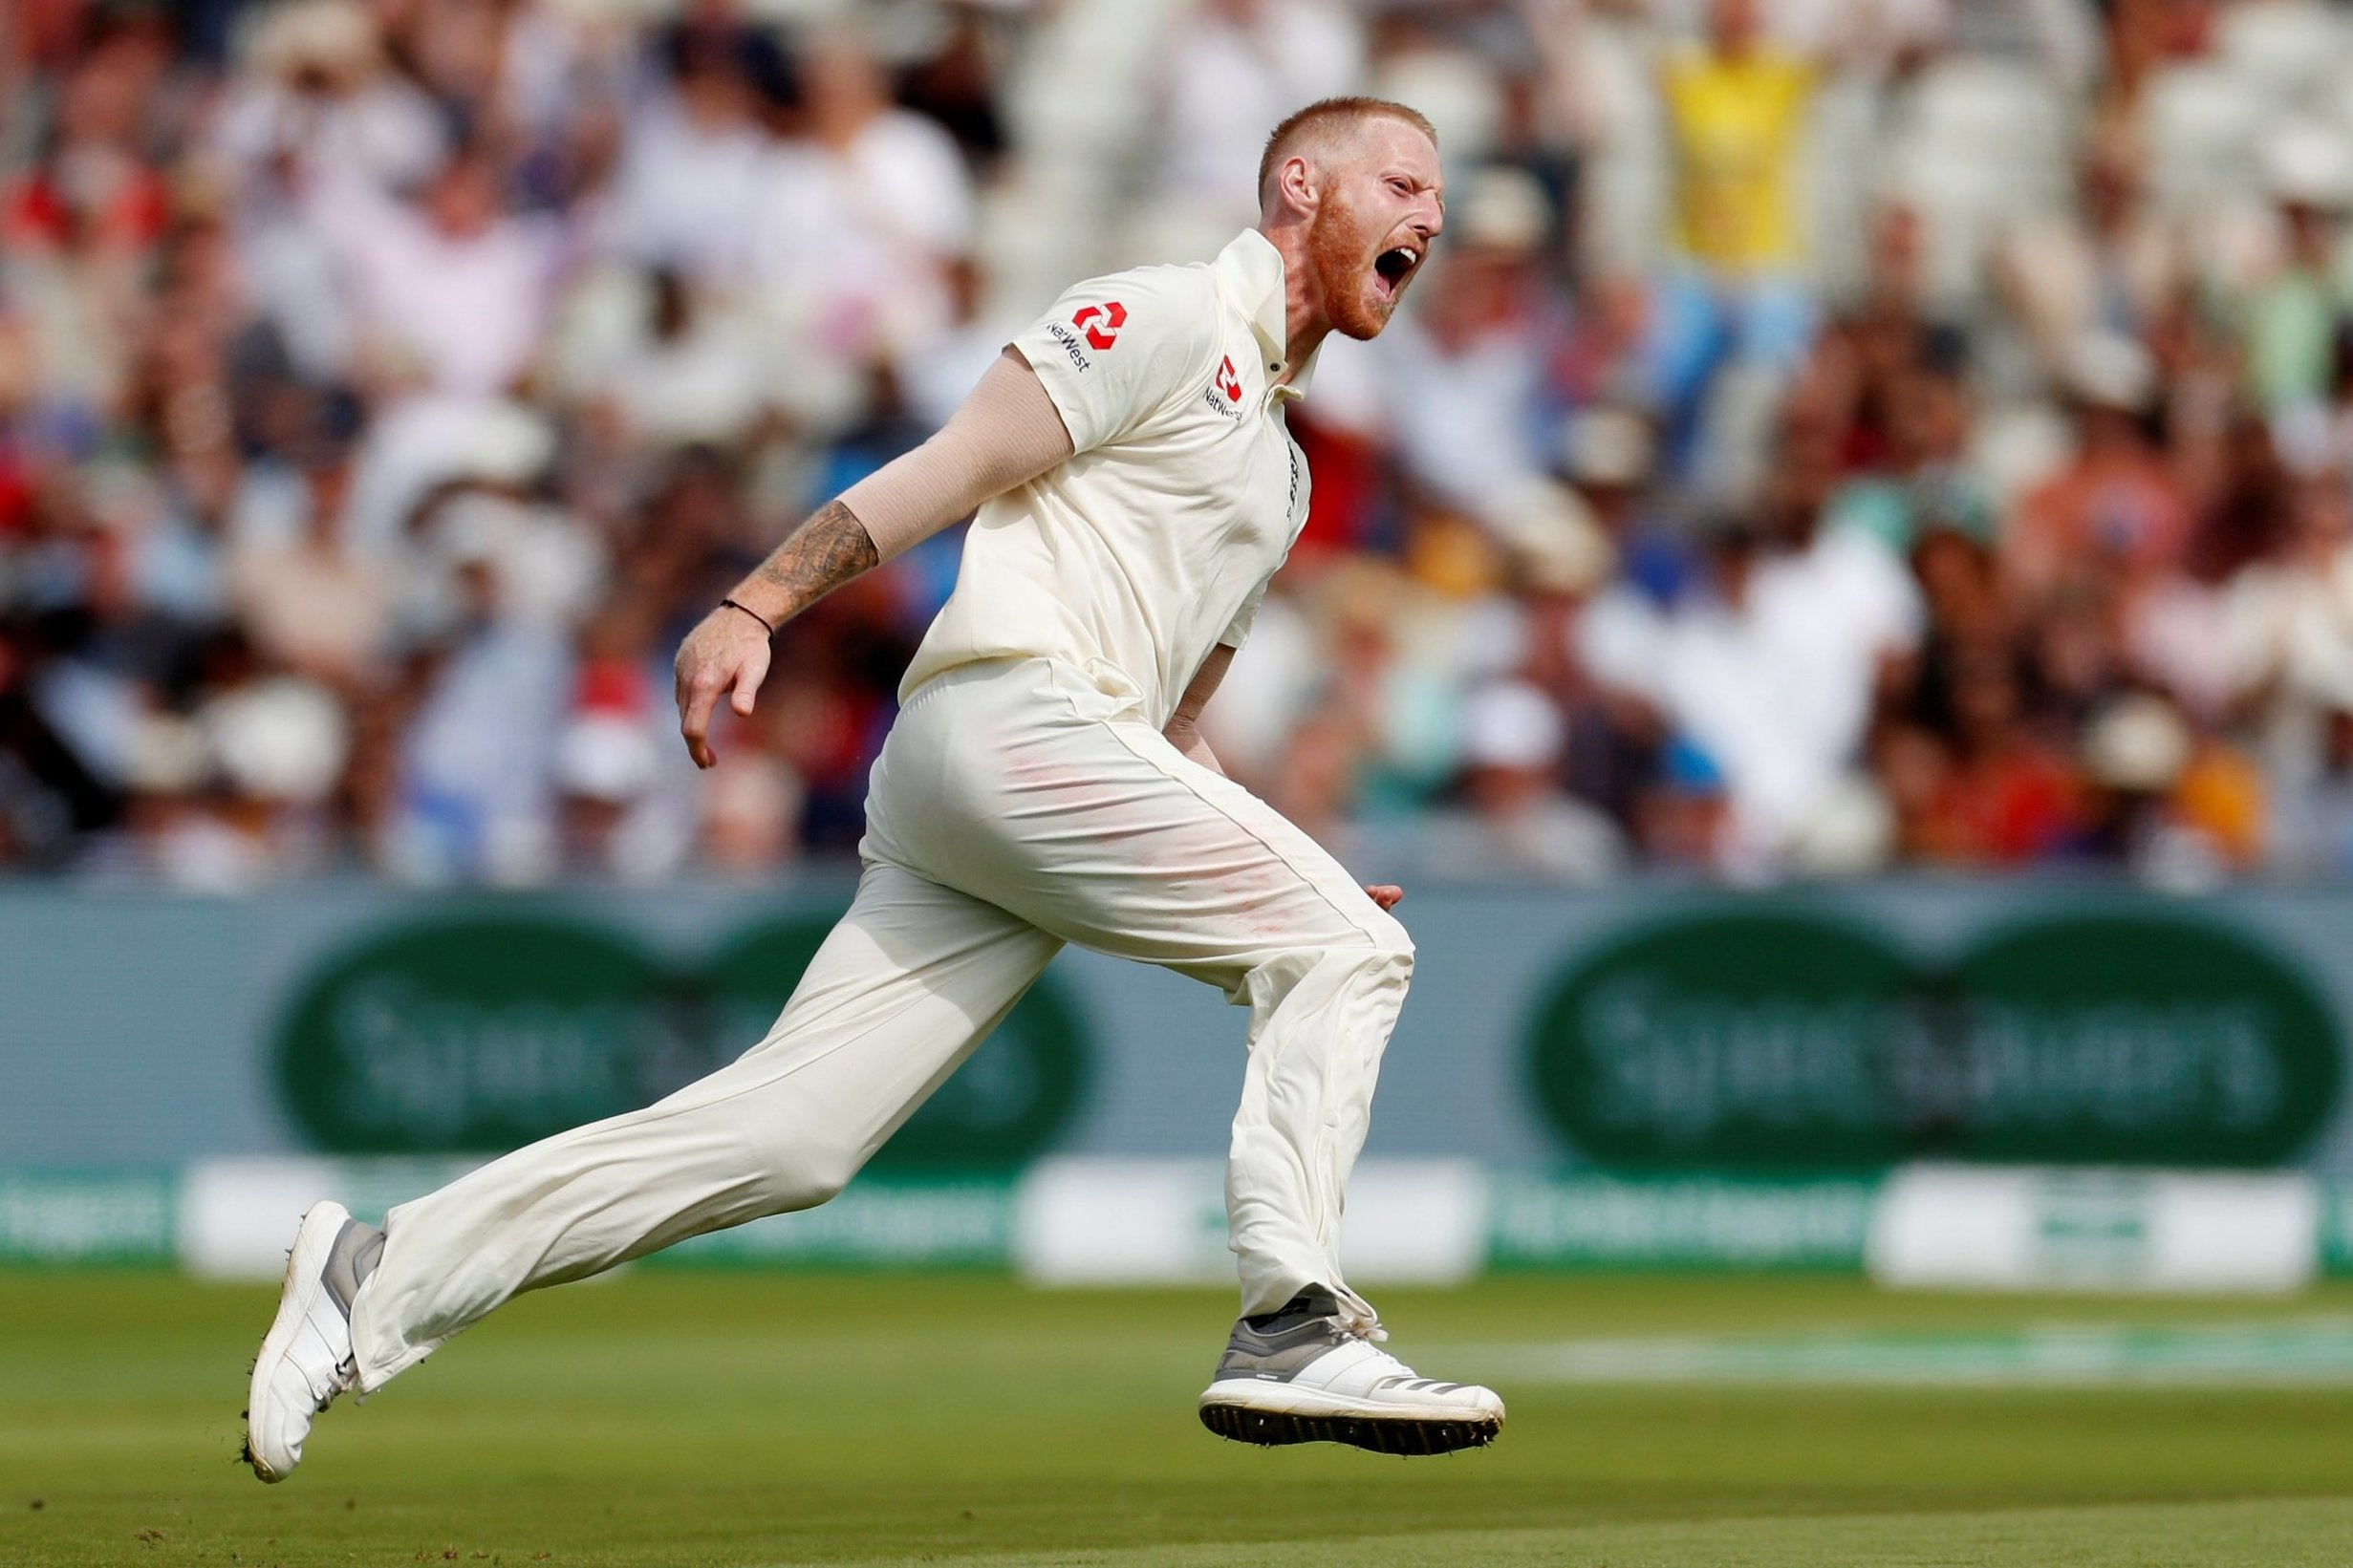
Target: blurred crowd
(1834, 435)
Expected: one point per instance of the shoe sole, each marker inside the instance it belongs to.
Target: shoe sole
(1407, 1435)
(306, 1260)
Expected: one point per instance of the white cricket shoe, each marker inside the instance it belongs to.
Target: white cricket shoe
(306, 1359)
(1322, 1380)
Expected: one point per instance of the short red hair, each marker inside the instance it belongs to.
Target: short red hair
(1328, 116)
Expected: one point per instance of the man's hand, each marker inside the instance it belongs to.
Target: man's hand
(727, 652)
(1387, 895)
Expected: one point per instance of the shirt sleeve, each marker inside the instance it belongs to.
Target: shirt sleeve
(1006, 433)
(1238, 630)
(1114, 350)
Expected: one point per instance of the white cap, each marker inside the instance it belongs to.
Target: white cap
(606, 757)
(166, 754)
(1553, 533)
(508, 444)
(337, 35)
(1504, 209)
(2308, 164)
(1509, 723)
(284, 738)
(2111, 370)
(2137, 742)
(1606, 446)
(1850, 831)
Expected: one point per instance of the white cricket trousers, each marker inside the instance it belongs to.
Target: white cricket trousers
(1015, 808)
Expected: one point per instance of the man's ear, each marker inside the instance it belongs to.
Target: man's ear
(1301, 185)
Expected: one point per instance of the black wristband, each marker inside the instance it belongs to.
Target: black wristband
(753, 613)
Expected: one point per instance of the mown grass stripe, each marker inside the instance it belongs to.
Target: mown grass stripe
(2318, 1350)
(2274, 1533)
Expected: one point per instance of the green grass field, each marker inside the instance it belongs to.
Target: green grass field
(685, 1418)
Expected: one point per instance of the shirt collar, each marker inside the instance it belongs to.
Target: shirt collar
(1250, 274)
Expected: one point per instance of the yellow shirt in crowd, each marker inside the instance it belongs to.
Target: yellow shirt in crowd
(1739, 126)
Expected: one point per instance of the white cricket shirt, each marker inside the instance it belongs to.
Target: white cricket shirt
(1154, 542)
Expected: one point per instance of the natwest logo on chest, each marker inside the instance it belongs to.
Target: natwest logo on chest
(1101, 323)
(1225, 390)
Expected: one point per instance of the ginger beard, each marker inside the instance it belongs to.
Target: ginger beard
(1340, 247)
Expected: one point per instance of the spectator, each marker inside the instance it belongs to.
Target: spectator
(1471, 405)
(310, 602)
(1233, 69)
(2291, 315)
(452, 292)
(695, 163)
(1992, 794)
(321, 95)
(2109, 266)
(1516, 823)
(863, 216)
(1927, 480)
(623, 812)
(2116, 507)
(478, 792)
(688, 371)
(1775, 673)
(1737, 109)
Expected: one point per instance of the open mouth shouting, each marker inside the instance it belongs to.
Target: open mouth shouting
(1363, 264)
(1391, 269)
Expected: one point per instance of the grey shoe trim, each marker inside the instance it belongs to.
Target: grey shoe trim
(1431, 1386)
(1281, 1355)
(357, 1248)
(1315, 1301)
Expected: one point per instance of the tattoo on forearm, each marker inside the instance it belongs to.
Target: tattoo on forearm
(822, 554)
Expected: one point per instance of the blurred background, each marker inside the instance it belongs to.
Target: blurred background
(1835, 434)
(1836, 594)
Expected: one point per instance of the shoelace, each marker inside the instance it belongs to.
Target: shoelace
(1362, 1324)
(346, 1381)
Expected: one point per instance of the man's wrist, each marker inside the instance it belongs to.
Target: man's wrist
(734, 604)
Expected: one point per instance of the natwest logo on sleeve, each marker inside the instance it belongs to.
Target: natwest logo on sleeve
(1101, 323)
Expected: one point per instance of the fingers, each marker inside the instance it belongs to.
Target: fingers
(748, 679)
(1388, 894)
(741, 683)
(710, 663)
(695, 699)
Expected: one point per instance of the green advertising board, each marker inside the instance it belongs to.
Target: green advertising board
(1586, 1220)
(1758, 1037)
(88, 1216)
(478, 1033)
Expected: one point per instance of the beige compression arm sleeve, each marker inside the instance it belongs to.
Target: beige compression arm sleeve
(1006, 433)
